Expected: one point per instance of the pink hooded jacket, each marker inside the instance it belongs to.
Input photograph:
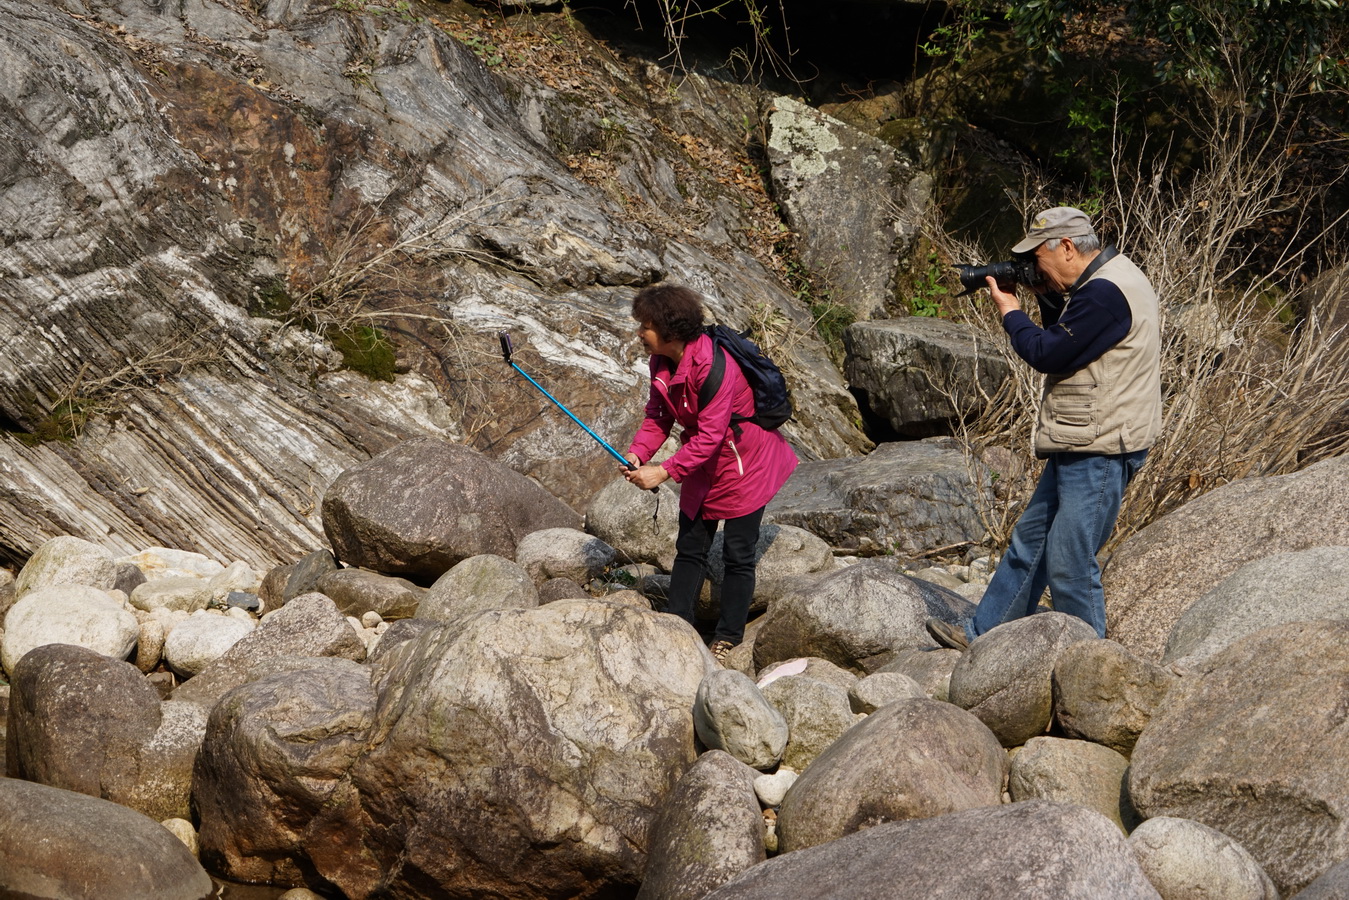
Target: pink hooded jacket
(720, 476)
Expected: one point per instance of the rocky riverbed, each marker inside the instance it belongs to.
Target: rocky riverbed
(529, 724)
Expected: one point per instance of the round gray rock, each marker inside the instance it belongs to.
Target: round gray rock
(477, 584)
(859, 617)
(359, 591)
(67, 560)
(1187, 860)
(621, 516)
(871, 693)
(1105, 694)
(563, 553)
(57, 843)
(199, 640)
(424, 505)
(1005, 677)
(709, 830)
(1021, 851)
(67, 614)
(1068, 771)
(909, 760)
(730, 714)
(817, 714)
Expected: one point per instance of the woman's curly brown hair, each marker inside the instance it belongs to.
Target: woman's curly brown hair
(674, 311)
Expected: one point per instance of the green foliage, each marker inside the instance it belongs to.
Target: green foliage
(831, 320)
(957, 38)
(62, 424)
(485, 50)
(929, 290)
(272, 300)
(1257, 46)
(365, 350)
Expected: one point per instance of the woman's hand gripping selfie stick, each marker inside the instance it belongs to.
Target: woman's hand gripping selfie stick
(506, 355)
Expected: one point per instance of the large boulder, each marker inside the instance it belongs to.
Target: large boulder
(1281, 587)
(309, 626)
(421, 506)
(563, 553)
(67, 614)
(1068, 771)
(909, 760)
(271, 784)
(639, 525)
(61, 844)
(478, 584)
(1103, 693)
(359, 591)
(853, 238)
(709, 830)
(1235, 524)
(1251, 744)
(921, 374)
(1021, 851)
(83, 722)
(577, 713)
(906, 498)
(817, 714)
(1006, 676)
(67, 560)
(859, 617)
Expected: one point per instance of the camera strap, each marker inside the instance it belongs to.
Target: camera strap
(1101, 259)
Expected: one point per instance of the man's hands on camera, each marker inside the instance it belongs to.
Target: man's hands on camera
(1005, 300)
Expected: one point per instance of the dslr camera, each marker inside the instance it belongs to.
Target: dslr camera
(1020, 269)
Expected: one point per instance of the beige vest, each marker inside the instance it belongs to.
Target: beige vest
(1113, 405)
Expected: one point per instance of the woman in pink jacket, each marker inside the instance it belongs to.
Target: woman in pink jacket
(723, 475)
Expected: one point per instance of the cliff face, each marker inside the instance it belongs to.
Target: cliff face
(205, 206)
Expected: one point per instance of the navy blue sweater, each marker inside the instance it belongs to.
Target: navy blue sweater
(1097, 319)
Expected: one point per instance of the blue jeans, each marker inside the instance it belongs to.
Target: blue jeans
(1055, 542)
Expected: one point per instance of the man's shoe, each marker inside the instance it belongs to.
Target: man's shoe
(720, 649)
(950, 636)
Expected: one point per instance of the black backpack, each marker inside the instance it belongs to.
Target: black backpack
(772, 399)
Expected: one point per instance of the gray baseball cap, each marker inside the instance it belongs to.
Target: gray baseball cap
(1059, 222)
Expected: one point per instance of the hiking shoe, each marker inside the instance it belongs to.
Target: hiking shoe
(720, 649)
(949, 636)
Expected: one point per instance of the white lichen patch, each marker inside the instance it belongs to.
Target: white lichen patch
(797, 132)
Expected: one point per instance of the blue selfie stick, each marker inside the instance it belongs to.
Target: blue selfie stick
(506, 354)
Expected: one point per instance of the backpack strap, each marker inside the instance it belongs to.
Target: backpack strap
(712, 383)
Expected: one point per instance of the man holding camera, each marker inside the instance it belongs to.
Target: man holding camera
(1099, 349)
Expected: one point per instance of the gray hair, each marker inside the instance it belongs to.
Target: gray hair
(1086, 243)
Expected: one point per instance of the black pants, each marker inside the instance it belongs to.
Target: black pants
(740, 536)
